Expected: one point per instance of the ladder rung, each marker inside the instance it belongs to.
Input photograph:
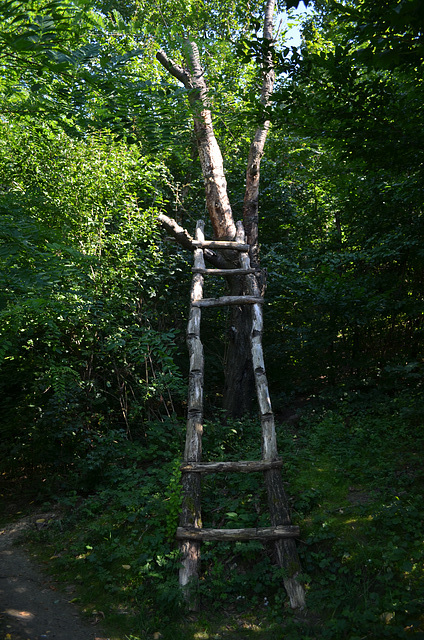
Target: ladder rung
(220, 244)
(246, 466)
(261, 533)
(223, 272)
(227, 300)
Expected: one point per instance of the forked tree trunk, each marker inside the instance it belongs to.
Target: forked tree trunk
(239, 379)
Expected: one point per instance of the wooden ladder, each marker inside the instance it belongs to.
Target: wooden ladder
(190, 533)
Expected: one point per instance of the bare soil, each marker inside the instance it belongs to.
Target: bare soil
(32, 607)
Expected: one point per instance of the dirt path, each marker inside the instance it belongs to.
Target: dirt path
(30, 606)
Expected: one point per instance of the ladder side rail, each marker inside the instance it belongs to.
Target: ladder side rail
(286, 549)
(269, 441)
(191, 482)
(193, 446)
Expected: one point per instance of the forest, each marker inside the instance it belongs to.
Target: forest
(101, 143)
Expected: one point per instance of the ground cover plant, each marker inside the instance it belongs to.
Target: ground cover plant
(357, 492)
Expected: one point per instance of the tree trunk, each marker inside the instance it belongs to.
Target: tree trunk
(217, 201)
(239, 365)
(251, 196)
(239, 388)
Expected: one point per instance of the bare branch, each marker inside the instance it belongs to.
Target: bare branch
(197, 74)
(174, 69)
(179, 233)
(185, 240)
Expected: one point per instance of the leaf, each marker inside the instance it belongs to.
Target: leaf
(293, 4)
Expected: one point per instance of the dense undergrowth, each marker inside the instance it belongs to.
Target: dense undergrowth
(355, 479)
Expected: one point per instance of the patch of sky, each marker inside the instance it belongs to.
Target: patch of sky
(291, 21)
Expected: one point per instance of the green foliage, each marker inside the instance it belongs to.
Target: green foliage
(343, 207)
(357, 496)
(174, 499)
(87, 339)
(360, 494)
(117, 537)
(391, 35)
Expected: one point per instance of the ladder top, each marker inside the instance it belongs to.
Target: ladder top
(227, 300)
(221, 244)
(222, 272)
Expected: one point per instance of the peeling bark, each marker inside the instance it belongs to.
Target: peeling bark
(217, 201)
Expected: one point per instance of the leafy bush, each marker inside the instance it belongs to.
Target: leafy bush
(87, 340)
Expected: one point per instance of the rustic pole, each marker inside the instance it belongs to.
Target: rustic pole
(286, 549)
(191, 482)
(243, 466)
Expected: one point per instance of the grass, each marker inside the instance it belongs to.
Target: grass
(356, 484)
